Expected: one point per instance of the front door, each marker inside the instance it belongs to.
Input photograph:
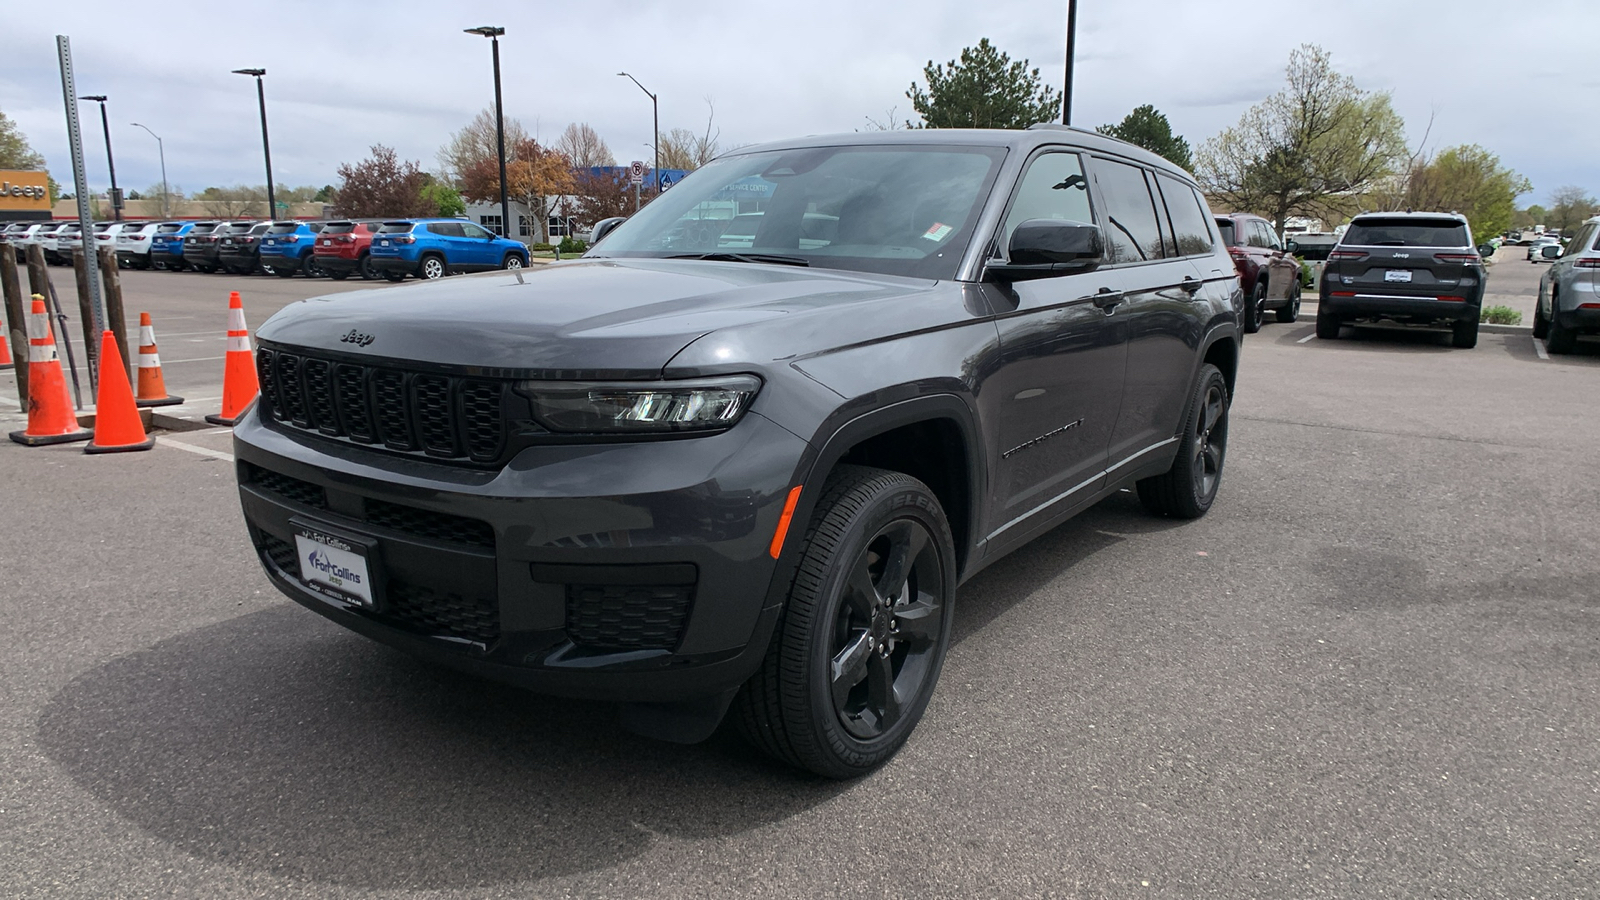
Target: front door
(478, 247)
(1050, 407)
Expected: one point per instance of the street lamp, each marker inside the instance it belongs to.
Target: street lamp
(655, 108)
(1072, 40)
(165, 212)
(493, 34)
(266, 146)
(105, 125)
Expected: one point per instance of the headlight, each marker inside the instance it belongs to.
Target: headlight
(640, 407)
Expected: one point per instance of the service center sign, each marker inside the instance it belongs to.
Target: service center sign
(24, 191)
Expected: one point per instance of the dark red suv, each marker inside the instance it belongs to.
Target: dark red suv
(1255, 249)
(342, 247)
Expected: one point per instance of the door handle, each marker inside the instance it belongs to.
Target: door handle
(1191, 285)
(1106, 299)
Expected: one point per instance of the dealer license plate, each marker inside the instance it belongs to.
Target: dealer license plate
(383, 243)
(1397, 275)
(327, 243)
(333, 565)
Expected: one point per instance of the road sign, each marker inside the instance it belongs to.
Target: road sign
(636, 171)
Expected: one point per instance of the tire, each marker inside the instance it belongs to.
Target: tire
(1187, 490)
(339, 275)
(1327, 325)
(1541, 325)
(364, 266)
(284, 271)
(512, 261)
(432, 268)
(310, 267)
(1291, 311)
(396, 277)
(1558, 339)
(1464, 335)
(1252, 309)
(845, 614)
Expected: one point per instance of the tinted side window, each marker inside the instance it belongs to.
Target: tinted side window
(1132, 232)
(1052, 188)
(1255, 235)
(472, 231)
(1581, 243)
(1188, 217)
(446, 229)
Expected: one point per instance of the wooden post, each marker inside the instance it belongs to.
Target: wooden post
(38, 273)
(116, 320)
(16, 320)
(91, 341)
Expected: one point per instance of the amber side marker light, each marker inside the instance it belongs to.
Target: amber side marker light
(783, 522)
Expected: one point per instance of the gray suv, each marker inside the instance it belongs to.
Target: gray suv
(1569, 294)
(1413, 268)
(687, 477)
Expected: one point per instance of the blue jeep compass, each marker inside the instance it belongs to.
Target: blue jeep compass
(433, 248)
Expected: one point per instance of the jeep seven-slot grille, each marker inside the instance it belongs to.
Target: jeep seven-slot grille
(441, 416)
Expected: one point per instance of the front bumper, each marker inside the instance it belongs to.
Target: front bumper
(629, 572)
(1399, 307)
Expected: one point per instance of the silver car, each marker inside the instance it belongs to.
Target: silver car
(1569, 294)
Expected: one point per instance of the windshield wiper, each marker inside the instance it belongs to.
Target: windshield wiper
(724, 256)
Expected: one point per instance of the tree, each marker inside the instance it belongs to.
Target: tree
(381, 186)
(603, 195)
(1314, 148)
(174, 194)
(683, 149)
(1146, 127)
(1569, 206)
(1467, 179)
(984, 89)
(238, 201)
(475, 143)
(584, 147)
(1533, 215)
(325, 194)
(15, 153)
(443, 200)
(534, 175)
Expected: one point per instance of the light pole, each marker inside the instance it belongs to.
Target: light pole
(105, 125)
(1072, 40)
(160, 147)
(266, 146)
(655, 109)
(493, 33)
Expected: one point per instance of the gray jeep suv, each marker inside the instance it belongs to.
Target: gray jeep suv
(685, 477)
(1414, 268)
(1569, 294)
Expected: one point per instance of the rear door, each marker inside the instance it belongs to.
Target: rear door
(1158, 283)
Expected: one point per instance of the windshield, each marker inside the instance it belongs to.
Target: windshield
(895, 210)
(1408, 232)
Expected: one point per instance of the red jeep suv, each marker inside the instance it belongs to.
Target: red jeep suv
(341, 248)
(1255, 248)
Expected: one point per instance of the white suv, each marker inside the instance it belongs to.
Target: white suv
(1569, 294)
(133, 244)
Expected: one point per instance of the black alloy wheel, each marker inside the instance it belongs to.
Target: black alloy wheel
(1252, 309)
(310, 267)
(864, 632)
(396, 277)
(1290, 312)
(1187, 490)
(364, 265)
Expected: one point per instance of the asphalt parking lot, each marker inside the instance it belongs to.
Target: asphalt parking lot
(1371, 671)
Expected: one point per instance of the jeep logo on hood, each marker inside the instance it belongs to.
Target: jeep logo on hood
(357, 338)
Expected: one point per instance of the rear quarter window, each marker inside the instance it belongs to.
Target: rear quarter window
(1188, 215)
(1379, 232)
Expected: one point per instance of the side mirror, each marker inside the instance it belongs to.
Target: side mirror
(606, 226)
(1292, 246)
(1485, 250)
(1041, 248)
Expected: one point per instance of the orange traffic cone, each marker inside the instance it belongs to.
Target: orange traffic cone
(239, 384)
(116, 420)
(50, 418)
(6, 362)
(152, 387)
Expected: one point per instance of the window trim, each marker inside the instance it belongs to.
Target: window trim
(1206, 218)
(1158, 211)
(997, 252)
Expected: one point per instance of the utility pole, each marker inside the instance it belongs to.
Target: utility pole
(162, 149)
(80, 181)
(493, 33)
(266, 145)
(655, 109)
(105, 126)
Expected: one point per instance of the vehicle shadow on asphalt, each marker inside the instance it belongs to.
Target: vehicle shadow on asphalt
(279, 742)
(1397, 337)
(997, 589)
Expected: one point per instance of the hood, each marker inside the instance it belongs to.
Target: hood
(603, 318)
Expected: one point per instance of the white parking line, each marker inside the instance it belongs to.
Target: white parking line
(170, 362)
(203, 451)
(1306, 338)
(1538, 347)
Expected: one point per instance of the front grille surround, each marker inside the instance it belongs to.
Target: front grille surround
(440, 416)
(621, 617)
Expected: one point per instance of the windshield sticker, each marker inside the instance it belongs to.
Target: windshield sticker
(938, 232)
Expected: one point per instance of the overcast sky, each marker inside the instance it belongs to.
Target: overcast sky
(342, 76)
